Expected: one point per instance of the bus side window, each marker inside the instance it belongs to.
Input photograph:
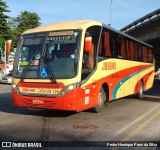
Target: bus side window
(88, 56)
(100, 48)
(150, 56)
(106, 45)
(129, 49)
(126, 48)
(144, 56)
(91, 58)
(119, 47)
(136, 53)
(140, 58)
(122, 51)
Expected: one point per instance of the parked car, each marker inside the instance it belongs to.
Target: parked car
(1, 74)
(7, 78)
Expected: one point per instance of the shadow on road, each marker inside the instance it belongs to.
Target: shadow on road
(151, 98)
(153, 94)
(155, 90)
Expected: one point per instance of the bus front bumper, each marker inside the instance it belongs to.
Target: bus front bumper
(57, 103)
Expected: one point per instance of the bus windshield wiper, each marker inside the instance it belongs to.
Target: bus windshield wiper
(50, 70)
(29, 64)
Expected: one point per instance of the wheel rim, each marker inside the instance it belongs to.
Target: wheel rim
(100, 99)
(141, 89)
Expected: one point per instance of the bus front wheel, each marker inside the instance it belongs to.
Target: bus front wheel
(101, 100)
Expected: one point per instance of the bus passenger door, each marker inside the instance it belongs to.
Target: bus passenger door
(89, 63)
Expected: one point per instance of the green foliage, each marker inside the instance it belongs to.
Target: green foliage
(12, 28)
(5, 31)
(26, 20)
(3, 17)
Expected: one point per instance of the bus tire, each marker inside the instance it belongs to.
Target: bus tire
(140, 95)
(101, 101)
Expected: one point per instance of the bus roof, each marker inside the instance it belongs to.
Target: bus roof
(65, 25)
(126, 35)
(76, 24)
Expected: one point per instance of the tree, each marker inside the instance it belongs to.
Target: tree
(5, 31)
(26, 20)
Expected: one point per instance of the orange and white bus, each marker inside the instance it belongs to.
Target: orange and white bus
(77, 65)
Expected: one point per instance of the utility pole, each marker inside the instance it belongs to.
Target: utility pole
(5, 60)
(110, 13)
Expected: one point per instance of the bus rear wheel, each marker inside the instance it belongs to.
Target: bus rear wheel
(140, 95)
(101, 100)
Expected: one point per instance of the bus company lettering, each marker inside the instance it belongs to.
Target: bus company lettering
(61, 33)
(40, 90)
(28, 90)
(48, 91)
(58, 38)
(109, 66)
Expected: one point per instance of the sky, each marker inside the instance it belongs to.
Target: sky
(123, 12)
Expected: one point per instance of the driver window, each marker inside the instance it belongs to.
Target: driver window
(90, 57)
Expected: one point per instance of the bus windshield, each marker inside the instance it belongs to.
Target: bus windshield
(51, 55)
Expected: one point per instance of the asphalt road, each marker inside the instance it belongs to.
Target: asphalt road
(126, 119)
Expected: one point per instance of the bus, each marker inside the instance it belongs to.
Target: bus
(79, 65)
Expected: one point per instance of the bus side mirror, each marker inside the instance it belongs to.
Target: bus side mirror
(88, 44)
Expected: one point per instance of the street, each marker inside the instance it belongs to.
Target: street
(126, 119)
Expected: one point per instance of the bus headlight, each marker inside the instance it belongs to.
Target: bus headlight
(15, 88)
(67, 89)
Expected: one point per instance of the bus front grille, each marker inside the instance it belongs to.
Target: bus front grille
(36, 103)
